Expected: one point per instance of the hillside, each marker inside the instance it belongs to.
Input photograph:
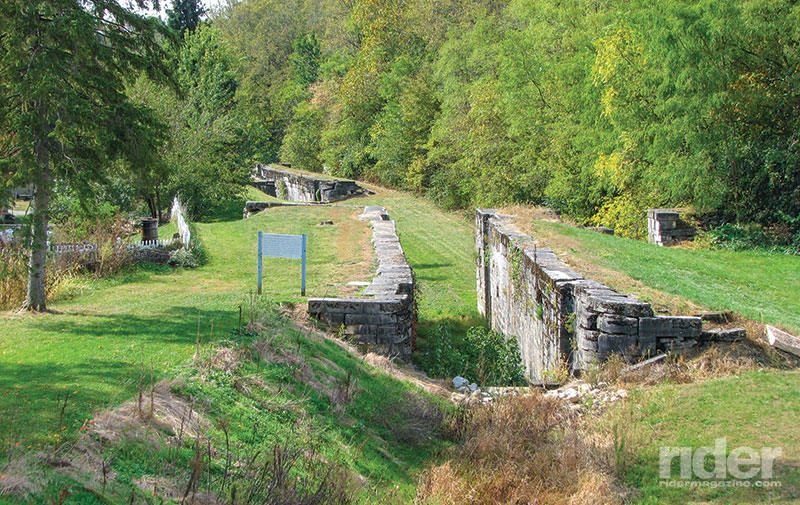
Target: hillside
(131, 360)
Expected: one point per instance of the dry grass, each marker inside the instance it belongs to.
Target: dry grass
(20, 478)
(14, 275)
(524, 449)
(110, 258)
(710, 362)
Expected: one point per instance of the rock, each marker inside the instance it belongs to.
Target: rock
(724, 334)
(459, 382)
(474, 387)
(716, 317)
(464, 390)
(570, 395)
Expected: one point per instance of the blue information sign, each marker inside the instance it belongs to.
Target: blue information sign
(274, 245)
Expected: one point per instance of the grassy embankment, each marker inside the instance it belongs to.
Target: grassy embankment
(93, 345)
(60, 369)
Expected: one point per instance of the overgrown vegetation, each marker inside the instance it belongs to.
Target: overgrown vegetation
(527, 449)
(267, 414)
(481, 355)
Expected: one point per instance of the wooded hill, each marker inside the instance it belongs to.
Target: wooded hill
(599, 109)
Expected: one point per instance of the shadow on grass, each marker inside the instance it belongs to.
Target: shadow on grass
(94, 361)
(223, 212)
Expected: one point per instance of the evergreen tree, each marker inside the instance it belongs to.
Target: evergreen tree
(185, 15)
(305, 58)
(63, 65)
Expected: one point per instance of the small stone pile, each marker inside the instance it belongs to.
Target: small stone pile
(580, 395)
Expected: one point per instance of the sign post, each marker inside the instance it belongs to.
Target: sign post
(274, 245)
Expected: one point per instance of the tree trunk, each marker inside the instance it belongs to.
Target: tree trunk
(151, 203)
(158, 207)
(40, 218)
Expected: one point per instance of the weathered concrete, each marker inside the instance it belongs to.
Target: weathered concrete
(557, 315)
(384, 319)
(665, 227)
(297, 187)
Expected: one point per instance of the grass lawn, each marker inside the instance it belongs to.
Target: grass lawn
(758, 285)
(440, 247)
(92, 350)
(757, 409)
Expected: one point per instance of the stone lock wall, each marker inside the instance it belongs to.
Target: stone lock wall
(301, 187)
(383, 320)
(665, 227)
(557, 316)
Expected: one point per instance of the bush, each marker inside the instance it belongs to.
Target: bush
(737, 237)
(482, 356)
(183, 258)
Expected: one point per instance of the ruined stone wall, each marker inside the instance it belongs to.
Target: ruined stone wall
(297, 187)
(665, 227)
(557, 316)
(383, 320)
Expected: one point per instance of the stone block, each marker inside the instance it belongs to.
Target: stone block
(670, 326)
(586, 320)
(375, 319)
(647, 345)
(335, 319)
(618, 325)
(620, 344)
(724, 334)
(623, 306)
(360, 329)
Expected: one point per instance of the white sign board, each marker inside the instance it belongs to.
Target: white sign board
(275, 245)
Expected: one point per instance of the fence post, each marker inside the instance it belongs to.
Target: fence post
(303, 268)
(259, 262)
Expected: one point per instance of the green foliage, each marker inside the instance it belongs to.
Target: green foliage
(600, 110)
(183, 258)
(481, 355)
(64, 113)
(305, 58)
(185, 15)
(301, 144)
(741, 238)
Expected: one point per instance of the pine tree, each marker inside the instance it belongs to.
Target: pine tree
(63, 66)
(185, 15)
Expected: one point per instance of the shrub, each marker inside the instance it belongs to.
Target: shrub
(481, 355)
(738, 237)
(183, 258)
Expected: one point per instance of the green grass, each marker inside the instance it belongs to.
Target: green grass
(757, 409)
(93, 347)
(104, 333)
(758, 285)
(440, 248)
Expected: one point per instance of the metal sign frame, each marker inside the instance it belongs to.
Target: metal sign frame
(275, 245)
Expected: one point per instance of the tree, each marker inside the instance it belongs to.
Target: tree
(185, 15)
(63, 65)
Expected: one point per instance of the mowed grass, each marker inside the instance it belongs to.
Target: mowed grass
(758, 285)
(57, 370)
(440, 247)
(756, 409)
